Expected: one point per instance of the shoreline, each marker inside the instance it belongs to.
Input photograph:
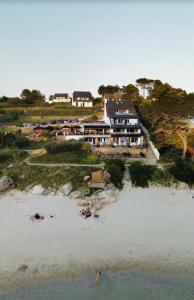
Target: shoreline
(146, 229)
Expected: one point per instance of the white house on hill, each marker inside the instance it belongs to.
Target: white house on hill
(82, 99)
(59, 98)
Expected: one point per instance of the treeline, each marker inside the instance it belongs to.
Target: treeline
(145, 88)
(142, 175)
(27, 97)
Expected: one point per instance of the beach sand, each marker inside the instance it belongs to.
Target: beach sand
(151, 229)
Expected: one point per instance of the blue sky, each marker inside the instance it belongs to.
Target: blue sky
(65, 47)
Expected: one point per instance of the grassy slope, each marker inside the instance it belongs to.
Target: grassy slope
(45, 111)
(24, 175)
(67, 157)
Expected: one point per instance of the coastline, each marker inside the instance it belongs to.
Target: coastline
(146, 229)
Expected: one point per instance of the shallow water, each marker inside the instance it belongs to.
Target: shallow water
(113, 286)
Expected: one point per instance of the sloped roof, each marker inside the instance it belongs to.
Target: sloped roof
(114, 107)
(64, 95)
(81, 94)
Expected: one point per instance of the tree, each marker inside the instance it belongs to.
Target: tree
(31, 97)
(182, 131)
(37, 95)
(183, 134)
(116, 169)
(140, 174)
(145, 85)
(164, 91)
(109, 89)
(130, 92)
(25, 94)
(4, 99)
(183, 170)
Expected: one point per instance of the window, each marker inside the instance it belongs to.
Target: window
(134, 140)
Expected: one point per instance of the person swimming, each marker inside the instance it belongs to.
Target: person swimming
(98, 274)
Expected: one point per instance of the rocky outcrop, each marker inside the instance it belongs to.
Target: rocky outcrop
(98, 200)
(66, 189)
(127, 185)
(37, 190)
(5, 183)
(76, 194)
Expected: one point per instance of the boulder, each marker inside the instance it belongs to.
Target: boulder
(66, 189)
(87, 177)
(106, 175)
(110, 186)
(82, 202)
(127, 184)
(97, 205)
(182, 186)
(10, 166)
(106, 194)
(37, 190)
(5, 183)
(75, 194)
(109, 200)
(49, 192)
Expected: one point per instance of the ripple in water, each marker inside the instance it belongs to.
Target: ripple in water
(113, 286)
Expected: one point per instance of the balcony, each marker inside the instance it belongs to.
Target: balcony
(96, 133)
(123, 133)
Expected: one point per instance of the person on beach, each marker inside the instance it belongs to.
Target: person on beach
(86, 213)
(98, 274)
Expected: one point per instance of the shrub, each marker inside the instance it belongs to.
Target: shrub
(22, 141)
(141, 174)
(13, 140)
(116, 169)
(183, 170)
(161, 177)
(170, 152)
(7, 139)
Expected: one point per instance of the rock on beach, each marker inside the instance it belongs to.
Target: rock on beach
(5, 183)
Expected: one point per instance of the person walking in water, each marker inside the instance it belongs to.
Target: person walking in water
(98, 274)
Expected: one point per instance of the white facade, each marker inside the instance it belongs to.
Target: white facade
(82, 103)
(61, 100)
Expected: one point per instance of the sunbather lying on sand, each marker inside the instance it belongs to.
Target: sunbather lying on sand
(37, 217)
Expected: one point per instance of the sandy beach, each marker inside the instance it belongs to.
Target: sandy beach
(146, 228)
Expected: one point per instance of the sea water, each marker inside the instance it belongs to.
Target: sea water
(111, 286)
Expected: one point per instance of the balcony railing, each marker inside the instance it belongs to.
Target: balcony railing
(125, 133)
